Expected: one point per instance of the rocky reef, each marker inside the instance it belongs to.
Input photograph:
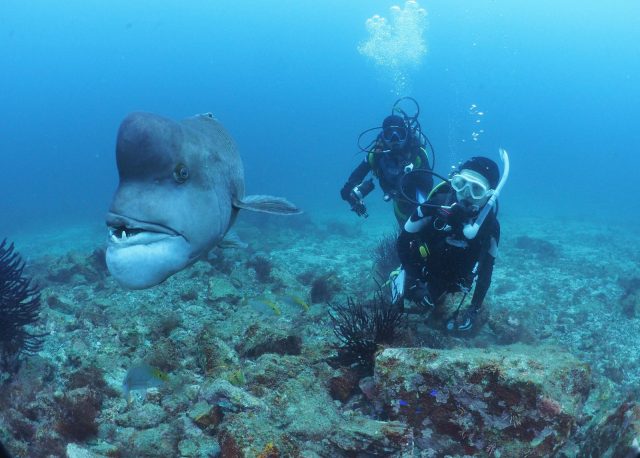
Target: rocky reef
(248, 365)
(479, 401)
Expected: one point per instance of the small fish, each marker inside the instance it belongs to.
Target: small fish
(263, 305)
(402, 403)
(142, 376)
(433, 393)
(273, 306)
(236, 378)
(300, 302)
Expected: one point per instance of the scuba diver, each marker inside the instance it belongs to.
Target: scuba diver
(451, 241)
(399, 148)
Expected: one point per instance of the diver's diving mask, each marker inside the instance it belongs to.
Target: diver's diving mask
(394, 135)
(473, 181)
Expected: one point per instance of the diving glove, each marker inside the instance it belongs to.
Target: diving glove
(359, 208)
(356, 203)
(419, 293)
(467, 320)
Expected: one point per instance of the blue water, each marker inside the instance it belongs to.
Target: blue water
(558, 83)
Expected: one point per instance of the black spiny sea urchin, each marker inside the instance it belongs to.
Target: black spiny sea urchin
(19, 307)
(362, 326)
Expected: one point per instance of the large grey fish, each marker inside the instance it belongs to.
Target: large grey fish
(181, 186)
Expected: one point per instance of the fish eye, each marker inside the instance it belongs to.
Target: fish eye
(180, 173)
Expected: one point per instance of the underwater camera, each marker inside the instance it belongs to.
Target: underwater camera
(357, 196)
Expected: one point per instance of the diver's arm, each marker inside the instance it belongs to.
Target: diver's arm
(355, 179)
(485, 271)
(485, 268)
(418, 220)
(424, 215)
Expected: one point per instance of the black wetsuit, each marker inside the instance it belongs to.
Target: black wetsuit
(434, 250)
(389, 168)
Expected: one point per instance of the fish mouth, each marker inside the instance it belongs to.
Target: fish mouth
(124, 231)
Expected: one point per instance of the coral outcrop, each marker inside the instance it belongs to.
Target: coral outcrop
(518, 401)
(617, 434)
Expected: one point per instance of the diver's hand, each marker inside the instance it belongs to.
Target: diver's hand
(419, 293)
(453, 216)
(467, 320)
(356, 204)
(359, 208)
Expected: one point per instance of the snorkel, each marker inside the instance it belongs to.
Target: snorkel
(471, 230)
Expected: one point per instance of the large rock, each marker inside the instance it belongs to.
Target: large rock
(616, 435)
(244, 436)
(76, 451)
(222, 289)
(231, 398)
(365, 437)
(262, 338)
(516, 401)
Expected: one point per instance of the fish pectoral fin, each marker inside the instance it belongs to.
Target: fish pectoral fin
(267, 204)
(231, 240)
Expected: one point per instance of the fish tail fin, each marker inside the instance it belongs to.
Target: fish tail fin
(267, 204)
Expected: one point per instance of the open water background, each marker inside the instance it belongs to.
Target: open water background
(558, 84)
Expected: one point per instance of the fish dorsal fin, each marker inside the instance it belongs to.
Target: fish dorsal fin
(267, 204)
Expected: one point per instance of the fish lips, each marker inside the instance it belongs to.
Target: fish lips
(140, 254)
(124, 230)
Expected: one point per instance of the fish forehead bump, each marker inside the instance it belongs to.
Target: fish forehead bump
(151, 148)
(147, 139)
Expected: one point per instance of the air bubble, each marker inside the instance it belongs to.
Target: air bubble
(397, 44)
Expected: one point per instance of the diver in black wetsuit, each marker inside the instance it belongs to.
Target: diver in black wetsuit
(438, 253)
(398, 149)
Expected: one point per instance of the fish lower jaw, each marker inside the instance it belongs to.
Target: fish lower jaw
(139, 263)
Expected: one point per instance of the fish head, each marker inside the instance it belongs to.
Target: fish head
(174, 198)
